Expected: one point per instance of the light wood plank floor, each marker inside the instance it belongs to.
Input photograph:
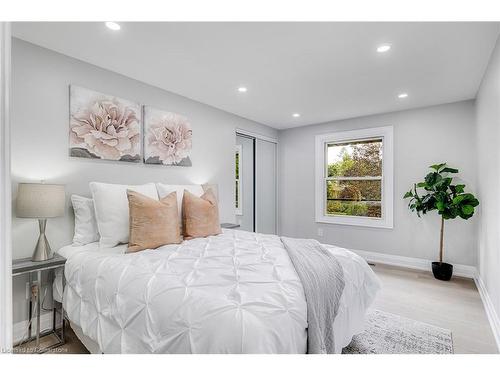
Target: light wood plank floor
(455, 305)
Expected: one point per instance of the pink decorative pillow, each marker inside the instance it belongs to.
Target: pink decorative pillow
(153, 223)
(200, 215)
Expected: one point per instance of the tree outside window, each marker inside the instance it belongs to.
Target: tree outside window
(354, 178)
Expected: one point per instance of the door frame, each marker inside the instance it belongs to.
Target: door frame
(256, 135)
(263, 137)
(5, 192)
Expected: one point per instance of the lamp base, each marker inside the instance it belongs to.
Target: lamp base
(42, 249)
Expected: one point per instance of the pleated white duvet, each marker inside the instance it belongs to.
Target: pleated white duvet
(233, 293)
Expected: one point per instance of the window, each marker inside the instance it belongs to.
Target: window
(354, 182)
(237, 195)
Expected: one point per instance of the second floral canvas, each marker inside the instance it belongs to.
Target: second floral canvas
(167, 138)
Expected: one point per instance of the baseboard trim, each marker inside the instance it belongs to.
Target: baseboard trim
(490, 309)
(20, 330)
(414, 263)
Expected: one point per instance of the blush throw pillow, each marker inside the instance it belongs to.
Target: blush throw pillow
(200, 215)
(85, 222)
(153, 223)
(111, 210)
(164, 190)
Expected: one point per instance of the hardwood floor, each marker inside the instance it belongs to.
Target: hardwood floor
(72, 346)
(455, 305)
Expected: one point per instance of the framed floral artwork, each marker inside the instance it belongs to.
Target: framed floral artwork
(104, 126)
(167, 138)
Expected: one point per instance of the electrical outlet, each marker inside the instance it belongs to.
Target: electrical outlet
(35, 291)
(320, 232)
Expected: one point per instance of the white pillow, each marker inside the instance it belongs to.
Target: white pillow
(164, 190)
(111, 209)
(85, 221)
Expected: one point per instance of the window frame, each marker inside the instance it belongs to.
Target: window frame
(239, 209)
(387, 202)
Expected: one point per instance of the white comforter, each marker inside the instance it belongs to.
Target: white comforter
(233, 293)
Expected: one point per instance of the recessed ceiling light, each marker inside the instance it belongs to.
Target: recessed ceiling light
(296, 115)
(113, 26)
(242, 89)
(403, 95)
(383, 48)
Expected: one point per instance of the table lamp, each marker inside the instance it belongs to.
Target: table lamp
(40, 201)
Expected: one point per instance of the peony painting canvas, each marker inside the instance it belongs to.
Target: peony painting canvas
(104, 126)
(167, 138)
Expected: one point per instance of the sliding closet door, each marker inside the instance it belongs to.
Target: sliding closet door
(245, 178)
(265, 186)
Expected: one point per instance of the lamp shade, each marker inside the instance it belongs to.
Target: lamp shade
(40, 200)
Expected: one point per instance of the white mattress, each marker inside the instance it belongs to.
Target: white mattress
(233, 293)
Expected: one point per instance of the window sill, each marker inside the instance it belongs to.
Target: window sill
(355, 221)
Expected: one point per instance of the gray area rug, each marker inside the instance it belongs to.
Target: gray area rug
(392, 334)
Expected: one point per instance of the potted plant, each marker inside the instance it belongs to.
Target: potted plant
(439, 193)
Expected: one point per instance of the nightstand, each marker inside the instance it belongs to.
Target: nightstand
(229, 225)
(27, 266)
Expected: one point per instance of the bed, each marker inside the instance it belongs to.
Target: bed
(236, 292)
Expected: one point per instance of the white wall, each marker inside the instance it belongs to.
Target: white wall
(40, 113)
(488, 174)
(422, 137)
(40, 137)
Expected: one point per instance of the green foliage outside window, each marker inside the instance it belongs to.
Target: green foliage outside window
(237, 178)
(355, 197)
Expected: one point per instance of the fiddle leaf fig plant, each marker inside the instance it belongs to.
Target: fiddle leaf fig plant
(438, 192)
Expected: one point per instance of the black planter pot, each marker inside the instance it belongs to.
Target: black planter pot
(442, 271)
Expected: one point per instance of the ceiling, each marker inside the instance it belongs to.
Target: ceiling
(324, 71)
